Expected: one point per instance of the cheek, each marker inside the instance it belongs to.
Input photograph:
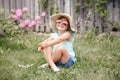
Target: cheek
(57, 24)
(66, 27)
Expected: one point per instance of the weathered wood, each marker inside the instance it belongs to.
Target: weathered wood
(42, 18)
(23, 3)
(110, 9)
(36, 14)
(6, 7)
(12, 4)
(82, 18)
(19, 4)
(55, 6)
(32, 9)
(1, 3)
(58, 2)
(61, 5)
(42, 26)
(47, 17)
(67, 6)
(35, 7)
(117, 11)
(27, 4)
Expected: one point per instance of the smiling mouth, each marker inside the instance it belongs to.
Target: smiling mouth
(60, 26)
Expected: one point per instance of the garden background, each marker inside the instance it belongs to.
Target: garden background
(25, 23)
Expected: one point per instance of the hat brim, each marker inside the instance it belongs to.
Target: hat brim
(54, 17)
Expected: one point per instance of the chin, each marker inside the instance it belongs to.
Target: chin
(61, 29)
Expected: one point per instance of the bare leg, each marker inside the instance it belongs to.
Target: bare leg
(60, 54)
(48, 56)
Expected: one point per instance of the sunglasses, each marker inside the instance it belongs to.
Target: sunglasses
(65, 23)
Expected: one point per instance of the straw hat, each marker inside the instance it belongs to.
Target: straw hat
(54, 17)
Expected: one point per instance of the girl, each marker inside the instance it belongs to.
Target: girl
(61, 40)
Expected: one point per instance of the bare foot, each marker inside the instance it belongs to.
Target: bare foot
(44, 65)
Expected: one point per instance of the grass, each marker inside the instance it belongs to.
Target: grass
(97, 59)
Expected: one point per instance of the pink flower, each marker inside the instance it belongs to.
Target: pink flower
(22, 24)
(43, 14)
(25, 9)
(32, 24)
(15, 17)
(37, 18)
(27, 22)
(19, 12)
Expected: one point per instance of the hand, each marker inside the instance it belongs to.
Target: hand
(39, 46)
(42, 45)
(39, 49)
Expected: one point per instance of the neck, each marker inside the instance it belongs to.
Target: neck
(60, 32)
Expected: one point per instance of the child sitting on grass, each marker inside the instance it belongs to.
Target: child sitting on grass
(61, 40)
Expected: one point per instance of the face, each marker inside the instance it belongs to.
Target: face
(62, 24)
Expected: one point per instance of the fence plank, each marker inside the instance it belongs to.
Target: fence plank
(47, 17)
(28, 5)
(42, 24)
(23, 3)
(36, 14)
(6, 7)
(1, 3)
(116, 11)
(42, 18)
(19, 4)
(32, 9)
(12, 4)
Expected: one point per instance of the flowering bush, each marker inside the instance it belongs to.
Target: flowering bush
(18, 15)
(7, 26)
(18, 21)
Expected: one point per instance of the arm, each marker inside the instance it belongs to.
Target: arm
(63, 37)
(48, 39)
(39, 45)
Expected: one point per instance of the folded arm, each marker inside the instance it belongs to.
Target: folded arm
(63, 37)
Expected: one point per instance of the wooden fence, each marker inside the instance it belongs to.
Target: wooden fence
(36, 7)
(33, 10)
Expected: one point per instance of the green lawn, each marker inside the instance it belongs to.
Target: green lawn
(98, 58)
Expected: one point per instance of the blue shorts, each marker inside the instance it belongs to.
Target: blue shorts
(69, 63)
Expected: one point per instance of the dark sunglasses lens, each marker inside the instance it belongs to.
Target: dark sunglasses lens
(64, 24)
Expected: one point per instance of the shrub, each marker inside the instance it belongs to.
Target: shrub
(18, 21)
(7, 24)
